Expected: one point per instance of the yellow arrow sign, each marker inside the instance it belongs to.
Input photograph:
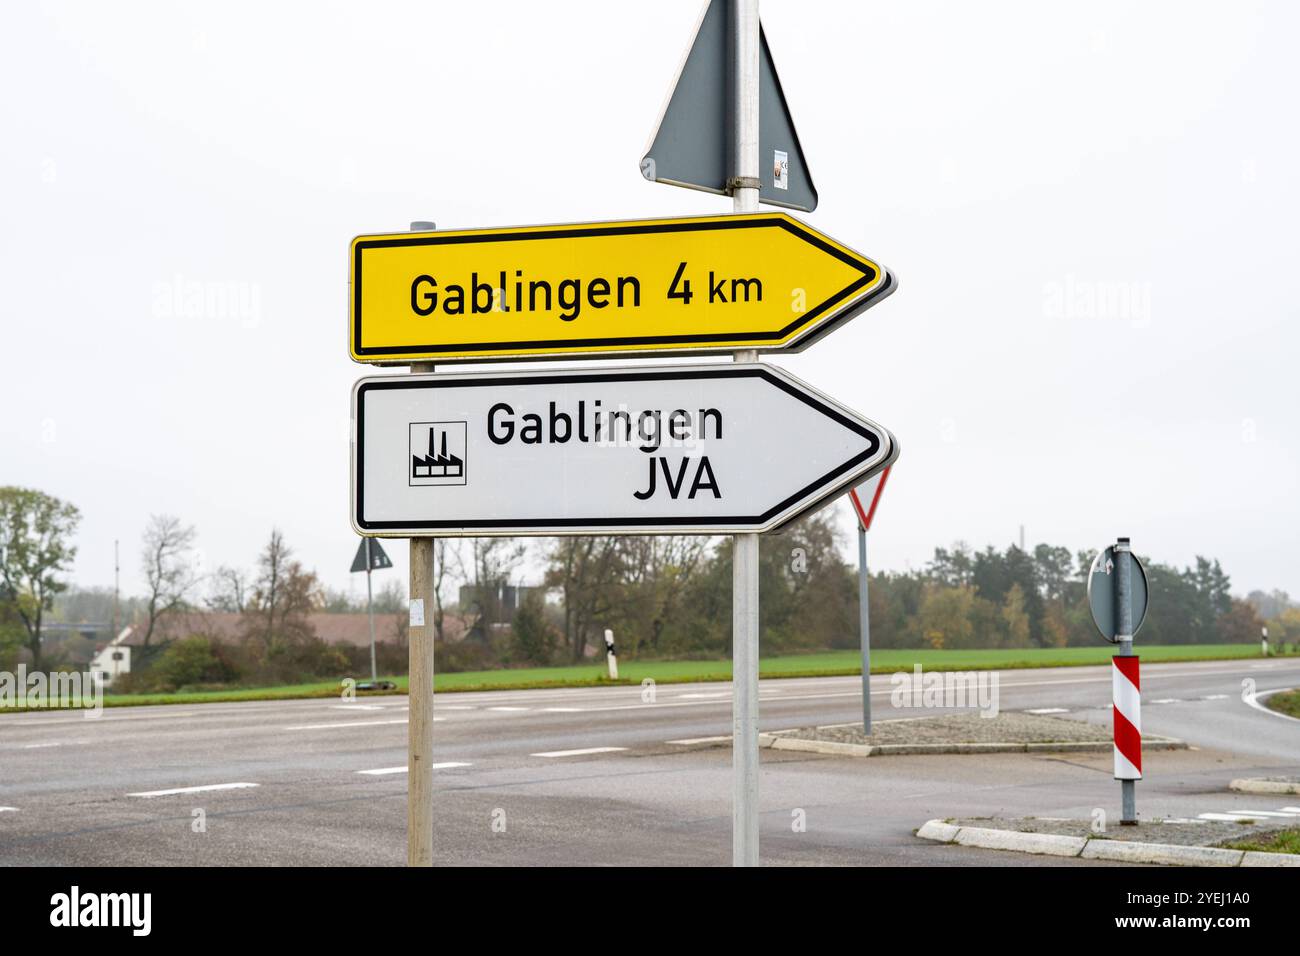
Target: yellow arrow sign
(705, 285)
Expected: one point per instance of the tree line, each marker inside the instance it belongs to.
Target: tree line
(664, 597)
(671, 597)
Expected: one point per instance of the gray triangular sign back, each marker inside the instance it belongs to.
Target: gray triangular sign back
(691, 145)
(378, 557)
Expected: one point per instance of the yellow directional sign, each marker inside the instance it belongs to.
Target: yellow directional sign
(709, 284)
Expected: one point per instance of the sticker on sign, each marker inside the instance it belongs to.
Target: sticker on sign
(712, 449)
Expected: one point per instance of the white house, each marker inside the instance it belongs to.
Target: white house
(114, 659)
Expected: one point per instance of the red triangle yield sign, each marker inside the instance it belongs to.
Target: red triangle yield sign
(866, 496)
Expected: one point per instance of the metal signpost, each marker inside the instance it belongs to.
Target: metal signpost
(370, 555)
(736, 449)
(1117, 597)
(703, 285)
(864, 498)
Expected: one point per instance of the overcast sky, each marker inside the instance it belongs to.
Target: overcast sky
(1092, 210)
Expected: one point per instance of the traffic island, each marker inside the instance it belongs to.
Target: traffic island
(957, 734)
(1160, 842)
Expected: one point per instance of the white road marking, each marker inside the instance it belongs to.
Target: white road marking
(358, 707)
(40, 746)
(453, 707)
(578, 753)
(1215, 697)
(510, 708)
(352, 723)
(1254, 701)
(79, 714)
(698, 740)
(708, 696)
(202, 789)
(1285, 813)
(1168, 700)
(563, 710)
(8, 809)
(433, 766)
(1048, 710)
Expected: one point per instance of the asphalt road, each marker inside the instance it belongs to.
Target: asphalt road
(322, 782)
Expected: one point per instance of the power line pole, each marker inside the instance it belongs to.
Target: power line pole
(117, 581)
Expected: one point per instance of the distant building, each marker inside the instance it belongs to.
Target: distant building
(113, 660)
(501, 601)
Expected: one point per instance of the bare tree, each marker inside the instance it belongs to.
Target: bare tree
(169, 574)
(444, 554)
(657, 570)
(587, 570)
(229, 590)
(491, 561)
(282, 596)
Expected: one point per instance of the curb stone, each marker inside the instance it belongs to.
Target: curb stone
(783, 742)
(938, 830)
(1087, 848)
(1050, 844)
(1124, 852)
(1259, 858)
(1249, 785)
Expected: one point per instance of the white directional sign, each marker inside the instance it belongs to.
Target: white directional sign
(709, 449)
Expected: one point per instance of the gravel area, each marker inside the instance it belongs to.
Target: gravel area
(1015, 728)
(1189, 833)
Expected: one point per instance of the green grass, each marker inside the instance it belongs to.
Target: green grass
(1282, 841)
(826, 664)
(1287, 702)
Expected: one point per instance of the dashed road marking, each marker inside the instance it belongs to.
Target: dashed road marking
(578, 753)
(202, 789)
(1048, 710)
(510, 708)
(383, 771)
(1168, 700)
(8, 809)
(562, 710)
(698, 740)
(333, 725)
